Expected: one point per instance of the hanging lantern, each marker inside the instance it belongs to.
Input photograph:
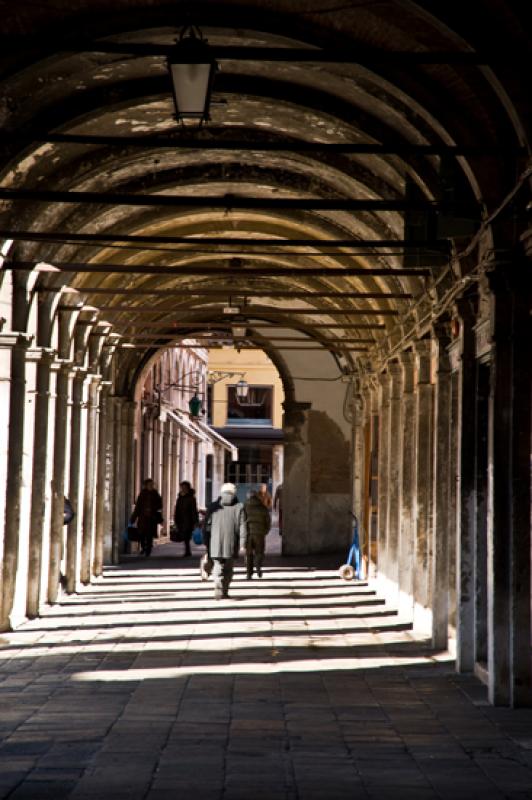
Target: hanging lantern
(242, 389)
(192, 68)
(194, 405)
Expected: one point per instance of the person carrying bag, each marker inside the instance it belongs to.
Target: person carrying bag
(186, 516)
(148, 515)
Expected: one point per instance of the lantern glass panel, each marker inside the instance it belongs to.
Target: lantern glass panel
(191, 88)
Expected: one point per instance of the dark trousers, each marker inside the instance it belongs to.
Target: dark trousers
(146, 542)
(254, 553)
(222, 574)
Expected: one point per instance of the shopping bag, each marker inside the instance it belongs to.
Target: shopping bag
(197, 536)
(175, 534)
(133, 533)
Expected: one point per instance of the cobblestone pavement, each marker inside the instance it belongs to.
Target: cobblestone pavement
(299, 687)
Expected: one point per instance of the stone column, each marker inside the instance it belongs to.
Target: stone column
(89, 488)
(454, 358)
(165, 486)
(17, 344)
(358, 459)
(409, 482)
(102, 485)
(108, 510)
(509, 491)
(40, 477)
(174, 469)
(73, 534)
(372, 468)
(424, 445)
(466, 490)
(130, 411)
(395, 475)
(441, 491)
(58, 479)
(147, 446)
(296, 486)
(383, 473)
(118, 481)
(180, 455)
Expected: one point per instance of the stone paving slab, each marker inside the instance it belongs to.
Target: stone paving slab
(300, 687)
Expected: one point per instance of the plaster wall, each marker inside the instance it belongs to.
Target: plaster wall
(317, 491)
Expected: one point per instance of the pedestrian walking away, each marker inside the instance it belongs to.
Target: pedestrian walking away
(258, 522)
(225, 533)
(186, 516)
(148, 514)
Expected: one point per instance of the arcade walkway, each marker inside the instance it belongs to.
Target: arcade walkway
(298, 687)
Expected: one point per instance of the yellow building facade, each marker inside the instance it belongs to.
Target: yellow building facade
(254, 423)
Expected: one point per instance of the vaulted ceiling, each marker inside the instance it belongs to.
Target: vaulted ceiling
(353, 151)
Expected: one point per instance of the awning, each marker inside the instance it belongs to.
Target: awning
(188, 425)
(221, 440)
(202, 432)
(244, 434)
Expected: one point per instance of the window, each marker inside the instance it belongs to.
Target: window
(255, 409)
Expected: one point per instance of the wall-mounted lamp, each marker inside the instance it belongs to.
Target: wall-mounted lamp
(242, 389)
(192, 68)
(194, 405)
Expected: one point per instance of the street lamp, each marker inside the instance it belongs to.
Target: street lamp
(192, 68)
(194, 405)
(242, 389)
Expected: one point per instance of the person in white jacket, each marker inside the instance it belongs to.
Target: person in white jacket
(225, 533)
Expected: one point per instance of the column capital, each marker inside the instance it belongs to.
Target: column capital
(385, 388)
(396, 373)
(15, 339)
(384, 378)
(526, 240)
(79, 373)
(408, 363)
(41, 355)
(395, 369)
(423, 350)
(466, 306)
(441, 330)
(441, 334)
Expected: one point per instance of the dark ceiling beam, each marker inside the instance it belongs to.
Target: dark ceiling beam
(110, 238)
(202, 142)
(248, 338)
(230, 202)
(250, 311)
(155, 346)
(187, 328)
(234, 274)
(225, 292)
(357, 54)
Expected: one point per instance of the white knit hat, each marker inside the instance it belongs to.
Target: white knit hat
(228, 488)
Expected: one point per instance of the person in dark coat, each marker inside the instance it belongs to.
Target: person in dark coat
(147, 514)
(258, 521)
(186, 515)
(225, 532)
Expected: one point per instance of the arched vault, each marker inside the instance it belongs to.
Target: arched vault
(350, 151)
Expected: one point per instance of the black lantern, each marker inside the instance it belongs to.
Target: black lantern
(192, 68)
